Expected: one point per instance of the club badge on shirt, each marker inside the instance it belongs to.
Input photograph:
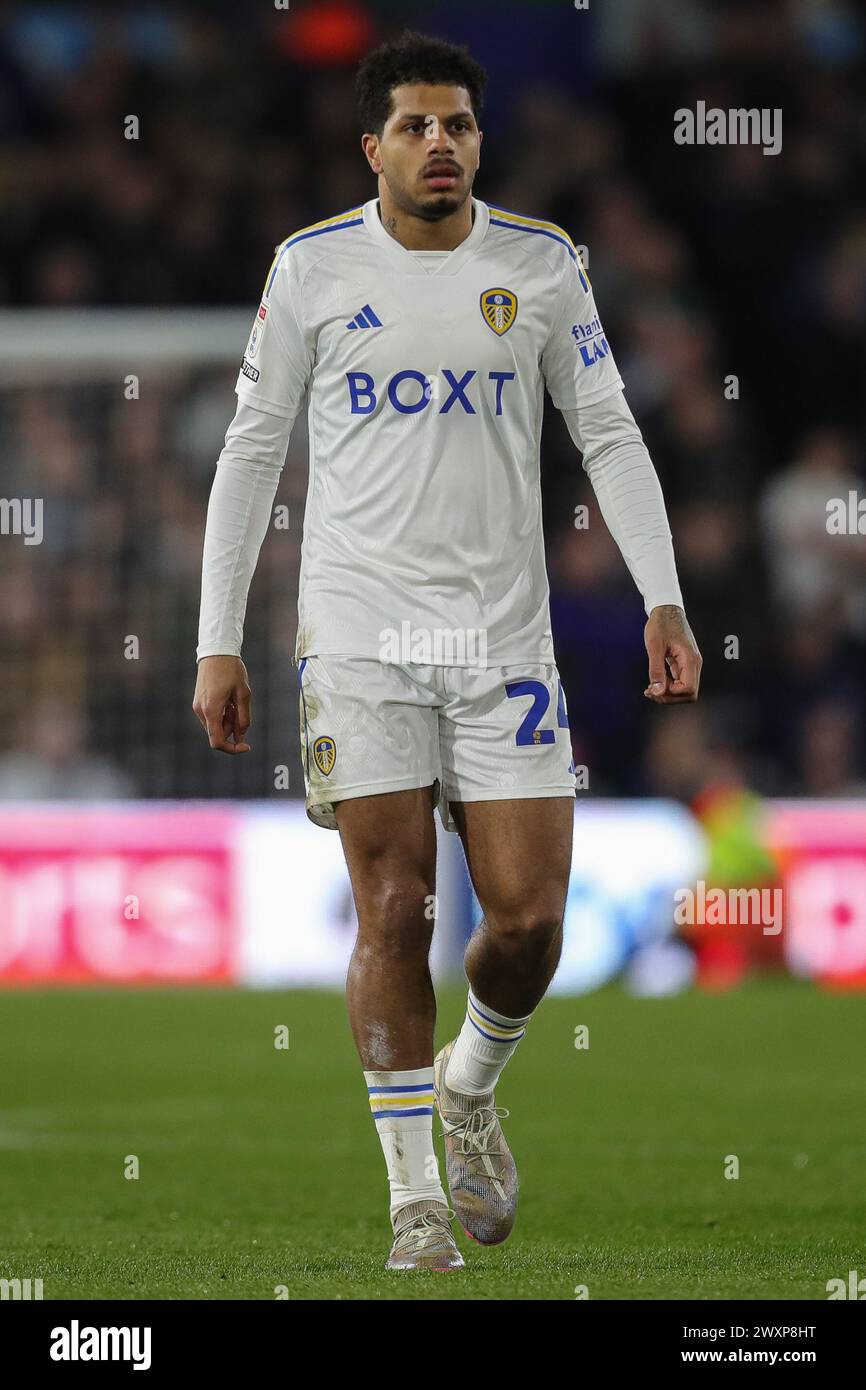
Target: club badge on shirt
(499, 308)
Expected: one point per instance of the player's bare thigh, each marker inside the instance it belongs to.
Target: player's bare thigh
(389, 841)
(519, 856)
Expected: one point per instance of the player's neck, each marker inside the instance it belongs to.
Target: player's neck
(418, 235)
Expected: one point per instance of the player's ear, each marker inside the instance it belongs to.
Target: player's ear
(370, 146)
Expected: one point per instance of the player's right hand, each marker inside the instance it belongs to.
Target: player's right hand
(222, 702)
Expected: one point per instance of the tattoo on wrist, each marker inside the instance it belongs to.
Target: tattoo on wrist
(672, 616)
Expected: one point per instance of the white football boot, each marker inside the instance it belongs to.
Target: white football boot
(423, 1238)
(481, 1173)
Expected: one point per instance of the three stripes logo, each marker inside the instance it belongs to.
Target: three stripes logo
(367, 318)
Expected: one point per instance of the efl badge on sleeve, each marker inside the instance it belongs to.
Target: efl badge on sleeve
(258, 330)
(499, 308)
(325, 754)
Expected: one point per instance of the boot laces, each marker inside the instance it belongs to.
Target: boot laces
(473, 1136)
(424, 1230)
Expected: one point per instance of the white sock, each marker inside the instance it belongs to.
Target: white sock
(484, 1044)
(402, 1106)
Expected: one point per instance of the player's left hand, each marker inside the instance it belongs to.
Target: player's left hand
(674, 660)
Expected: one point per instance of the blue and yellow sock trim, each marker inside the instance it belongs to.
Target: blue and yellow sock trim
(494, 1027)
(396, 1102)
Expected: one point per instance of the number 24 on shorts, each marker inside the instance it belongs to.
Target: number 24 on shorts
(529, 732)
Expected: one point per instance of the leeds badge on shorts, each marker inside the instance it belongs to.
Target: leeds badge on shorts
(325, 754)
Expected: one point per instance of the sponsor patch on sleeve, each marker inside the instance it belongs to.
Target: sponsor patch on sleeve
(258, 330)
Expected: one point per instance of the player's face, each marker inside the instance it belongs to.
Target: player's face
(428, 153)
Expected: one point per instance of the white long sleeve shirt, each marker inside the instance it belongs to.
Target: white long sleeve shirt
(615, 458)
(423, 375)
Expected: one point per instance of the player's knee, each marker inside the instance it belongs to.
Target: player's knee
(532, 927)
(397, 916)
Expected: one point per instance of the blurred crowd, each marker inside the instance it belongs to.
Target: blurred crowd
(732, 286)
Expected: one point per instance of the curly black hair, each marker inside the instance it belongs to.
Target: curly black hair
(414, 58)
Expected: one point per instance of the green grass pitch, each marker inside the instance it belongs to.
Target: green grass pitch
(260, 1167)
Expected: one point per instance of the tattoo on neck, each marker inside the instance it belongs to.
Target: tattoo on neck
(391, 225)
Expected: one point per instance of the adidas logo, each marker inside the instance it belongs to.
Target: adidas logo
(367, 318)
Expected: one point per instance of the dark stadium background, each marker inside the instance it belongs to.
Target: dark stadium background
(706, 263)
(259, 1168)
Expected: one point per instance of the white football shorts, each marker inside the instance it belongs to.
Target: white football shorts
(476, 734)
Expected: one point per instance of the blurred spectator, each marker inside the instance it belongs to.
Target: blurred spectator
(810, 565)
(49, 759)
(830, 750)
